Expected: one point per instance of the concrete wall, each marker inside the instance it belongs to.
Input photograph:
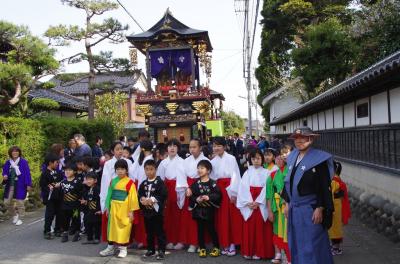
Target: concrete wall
(374, 181)
(395, 105)
(283, 105)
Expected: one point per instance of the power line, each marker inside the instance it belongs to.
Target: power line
(129, 14)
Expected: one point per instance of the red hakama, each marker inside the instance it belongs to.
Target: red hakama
(104, 226)
(257, 234)
(139, 231)
(172, 214)
(229, 220)
(188, 230)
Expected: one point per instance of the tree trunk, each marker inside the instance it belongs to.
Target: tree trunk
(91, 80)
(18, 93)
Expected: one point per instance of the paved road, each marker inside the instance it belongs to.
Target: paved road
(25, 244)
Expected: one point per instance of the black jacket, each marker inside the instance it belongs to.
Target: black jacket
(50, 177)
(156, 189)
(204, 210)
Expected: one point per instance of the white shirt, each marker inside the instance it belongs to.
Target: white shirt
(226, 167)
(108, 175)
(138, 170)
(173, 169)
(253, 178)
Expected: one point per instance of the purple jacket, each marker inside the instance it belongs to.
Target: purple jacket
(24, 180)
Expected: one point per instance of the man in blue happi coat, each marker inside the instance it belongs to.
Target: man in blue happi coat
(308, 194)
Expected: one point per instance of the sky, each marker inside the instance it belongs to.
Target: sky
(224, 26)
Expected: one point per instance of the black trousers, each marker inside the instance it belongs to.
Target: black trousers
(92, 226)
(155, 228)
(71, 220)
(202, 226)
(53, 209)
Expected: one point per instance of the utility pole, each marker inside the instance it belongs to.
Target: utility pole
(248, 63)
(256, 108)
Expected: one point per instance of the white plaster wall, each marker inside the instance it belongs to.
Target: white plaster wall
(349, 113)
(321, 120)
(365, 120)
(338, 112)
(379, 109)
(395, 105)
(329, 118)
(309, 121)
(314, 122)
(374, 181)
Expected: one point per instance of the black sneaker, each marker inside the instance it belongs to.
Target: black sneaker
(160, 255)
(71, 232)
(48, 236)
(76, 237)
(64, 237)
(149, 253)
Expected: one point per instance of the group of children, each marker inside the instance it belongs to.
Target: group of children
(173, 203)
(69, 194)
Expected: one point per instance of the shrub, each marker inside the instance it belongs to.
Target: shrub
(35, 136)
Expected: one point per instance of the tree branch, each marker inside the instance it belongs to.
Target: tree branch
(18, 93)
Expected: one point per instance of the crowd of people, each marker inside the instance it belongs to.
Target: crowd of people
(263, 198)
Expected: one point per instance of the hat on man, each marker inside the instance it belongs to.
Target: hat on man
(303, 132)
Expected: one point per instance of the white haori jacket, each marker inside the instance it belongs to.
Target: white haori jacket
(253, 178)
(173, 169)
(190, 169)
(226, 167)
(138, 170)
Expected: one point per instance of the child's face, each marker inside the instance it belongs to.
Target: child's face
(90, 181)
(125, 154)
(54, 165)
(150, 172)
(280, 161)
(121, 172)
(218, 149)
(202, 171)
(69, 173)
(268, 157)
(118, 151)
(80, 166)
(172, 150)
(256, 160)
(86, 167)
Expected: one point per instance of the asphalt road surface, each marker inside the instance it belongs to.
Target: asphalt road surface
(25, 244)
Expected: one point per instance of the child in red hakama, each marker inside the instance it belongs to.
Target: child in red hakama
(139, 232)
(257, 230)
(169, 170)
(188, 230)
(229, 220)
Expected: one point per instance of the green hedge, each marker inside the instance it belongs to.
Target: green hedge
(35, 136)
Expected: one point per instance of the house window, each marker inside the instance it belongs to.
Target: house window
(305, 122)
(284, 128)
(362, 110)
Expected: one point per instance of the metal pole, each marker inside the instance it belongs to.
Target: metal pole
(256, 108)
(248, 82)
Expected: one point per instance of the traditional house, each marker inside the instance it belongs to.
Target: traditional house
(132, 84)
(70, 106)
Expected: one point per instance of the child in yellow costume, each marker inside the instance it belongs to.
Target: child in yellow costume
(342, 211)
(121, 202)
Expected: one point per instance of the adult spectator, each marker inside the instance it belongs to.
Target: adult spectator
(69, 151)
(83, 149)
(275, 144)
(310, 206)
(132, 143)
(97, 150)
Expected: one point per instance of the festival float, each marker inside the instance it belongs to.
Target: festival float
(176, 104)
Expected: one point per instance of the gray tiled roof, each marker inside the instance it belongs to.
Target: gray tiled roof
(65, 100)
(121, 81)
(353, 86)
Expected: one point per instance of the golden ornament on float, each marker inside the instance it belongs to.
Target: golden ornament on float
(172, 107)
